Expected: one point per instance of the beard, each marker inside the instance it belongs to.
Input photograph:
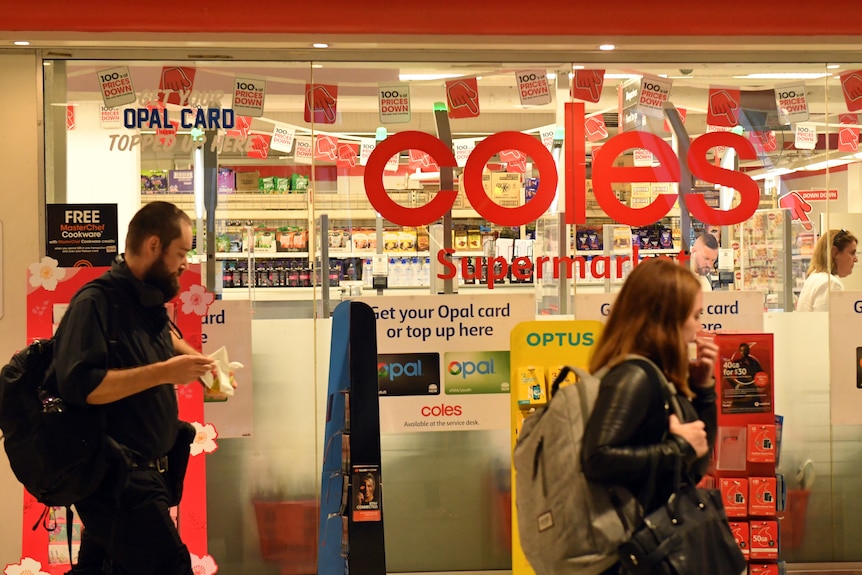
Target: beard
(166, 282)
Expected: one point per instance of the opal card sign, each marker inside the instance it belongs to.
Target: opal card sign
(82, 235)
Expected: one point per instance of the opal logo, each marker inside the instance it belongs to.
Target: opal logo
(393, 371)
(408, 374)
(466, 368)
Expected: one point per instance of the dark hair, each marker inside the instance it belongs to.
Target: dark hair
(709, 240)
(647, 317)
(160, 219)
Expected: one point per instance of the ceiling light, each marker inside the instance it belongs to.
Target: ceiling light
(826, 165)
(408, 77)
(317, 65)
(607, 47)
(833, 66)
(783, 76)
(551, 75)
(21, 43)
(320, 45)
(578, 67)
(771, 173)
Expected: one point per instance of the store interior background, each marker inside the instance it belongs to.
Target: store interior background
(440, 487)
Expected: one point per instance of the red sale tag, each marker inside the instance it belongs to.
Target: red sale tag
(259, 146)
(595, 128)
(851, 85)
(764, 141)
(682, 113)
(515, 160)
(419, 160)
(587, 85)
(848, 135)
(326, 148)
(347, 155)
(462, 97)
(70, 117)
(241, 127)
(321, 103)
(723, 107)
(175, 84)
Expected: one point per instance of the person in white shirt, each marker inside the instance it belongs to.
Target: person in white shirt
(835, 251)
(704, 252)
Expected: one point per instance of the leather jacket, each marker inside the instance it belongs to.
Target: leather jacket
(626, 439)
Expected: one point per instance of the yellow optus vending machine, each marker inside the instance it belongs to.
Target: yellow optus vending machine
(539, 349)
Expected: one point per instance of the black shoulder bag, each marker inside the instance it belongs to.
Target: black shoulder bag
(689, 535)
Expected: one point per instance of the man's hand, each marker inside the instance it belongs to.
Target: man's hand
(183, 369)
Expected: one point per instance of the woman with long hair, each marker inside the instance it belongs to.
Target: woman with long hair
(833, 259)
(630, 440)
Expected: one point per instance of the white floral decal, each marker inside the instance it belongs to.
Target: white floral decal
(205, 565)
(197, 300)
(26, 567)
(204, 441)
(46, 274)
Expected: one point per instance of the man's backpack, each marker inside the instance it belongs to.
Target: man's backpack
(566, 523)
(58, 451)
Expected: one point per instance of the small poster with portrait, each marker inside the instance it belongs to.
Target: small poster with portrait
(746, 373)
(367, 502)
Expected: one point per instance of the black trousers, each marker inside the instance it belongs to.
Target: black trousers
(134, 535)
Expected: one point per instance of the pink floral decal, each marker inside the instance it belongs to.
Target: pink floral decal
(26, 567)
(205, 565)
(46, 274)
(204, 441)
(197, 300)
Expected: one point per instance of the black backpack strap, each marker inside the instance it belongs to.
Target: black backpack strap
(112, 325)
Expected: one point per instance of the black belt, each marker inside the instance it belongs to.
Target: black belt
(160, 464)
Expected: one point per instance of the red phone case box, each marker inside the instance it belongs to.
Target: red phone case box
(762, 495)
(734, 494)
(764, 539)
(763, 569)
(741, 534)
(761, 443)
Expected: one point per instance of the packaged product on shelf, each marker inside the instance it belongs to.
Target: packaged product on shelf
(154, 181)
(506, 188)
(474, 240)
(422, 240)
(407, 240)
(266, 184)
(665, 239)
(264, 240)
(360, 240)
(282, 185)
(222, 243)
(530, 187)
(247, 181)
(460, 240)
(234, 242)
(298, 183)
(226, 180)
(181, 181)
(339, 239)
(390, 241)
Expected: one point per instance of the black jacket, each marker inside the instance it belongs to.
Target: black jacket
(627, 439)
(133, 312)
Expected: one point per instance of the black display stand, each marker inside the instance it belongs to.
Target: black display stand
(351, 498)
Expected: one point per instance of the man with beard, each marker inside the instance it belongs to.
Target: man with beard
(704, 252)
(117, 353)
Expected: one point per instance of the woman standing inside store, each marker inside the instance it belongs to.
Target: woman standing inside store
(630, 440)
(835, 251)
